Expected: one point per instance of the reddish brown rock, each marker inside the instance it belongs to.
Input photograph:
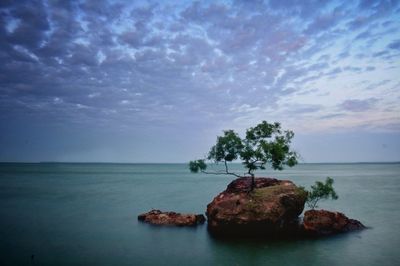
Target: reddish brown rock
(243, 184)
(158, 217)
(322, 222)
(268, 209)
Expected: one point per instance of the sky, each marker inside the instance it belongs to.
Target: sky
(158, 81)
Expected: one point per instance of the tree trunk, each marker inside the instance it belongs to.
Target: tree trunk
(253, 183)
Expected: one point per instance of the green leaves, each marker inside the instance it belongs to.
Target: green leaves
(321, 191)
(263, 144)
(197, 165)
(262, 131)
(267, 143)
(228, 147)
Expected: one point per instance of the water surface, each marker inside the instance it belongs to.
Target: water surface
(85, 214)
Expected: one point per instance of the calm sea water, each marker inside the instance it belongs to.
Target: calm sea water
(85, 214)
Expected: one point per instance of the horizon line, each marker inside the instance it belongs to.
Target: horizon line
(105, 162)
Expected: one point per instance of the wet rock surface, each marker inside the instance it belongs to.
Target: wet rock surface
(158, 217)
(323, 223)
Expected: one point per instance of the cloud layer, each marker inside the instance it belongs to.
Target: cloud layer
(316, 66)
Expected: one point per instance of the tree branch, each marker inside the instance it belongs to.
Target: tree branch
(220, 173)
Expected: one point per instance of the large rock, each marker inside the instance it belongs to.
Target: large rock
(272, 208)
(158, 217)
(322, 222)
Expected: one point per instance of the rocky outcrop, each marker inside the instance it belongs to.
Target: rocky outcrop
(158, 217)
(322, 223)
(271, 208)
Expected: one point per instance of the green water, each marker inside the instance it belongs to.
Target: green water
(85, 214)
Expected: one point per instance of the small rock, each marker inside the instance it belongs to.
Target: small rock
(158, 217)
(322, 222)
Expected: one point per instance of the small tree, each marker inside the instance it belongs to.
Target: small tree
(321, 191)
(263, 144)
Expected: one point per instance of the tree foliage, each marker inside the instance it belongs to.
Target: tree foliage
(263, 144)
(227, 148)
(267, 143)
(321, 191)
(197, 165)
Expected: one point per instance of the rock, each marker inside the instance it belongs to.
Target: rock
(271, 208)
(322, 222)
(243, 184)
(158, 217)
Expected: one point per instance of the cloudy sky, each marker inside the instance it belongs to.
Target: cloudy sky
(157, 81)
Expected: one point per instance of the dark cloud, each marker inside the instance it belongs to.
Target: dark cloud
(125, 63)
(363, 35)
(352, 68)
(367, 4)
(378, 84)
(356, 105)
(304, 9)
(214, 13)
(330, 116)
(31, 24)
(381, 53)
(378, 5)
(334, 71)
(358, 22)
(394, 45)
(324, 21)
(343, 55)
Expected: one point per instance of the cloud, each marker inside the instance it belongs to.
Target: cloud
(394, 45)
(124, 63)
(379, 54)
(304, 9)
(378, 84)
(305, 108)
(352, 69)
(131, 70)
(324, 22)
(32, 24)
(330, 116)
(334, 71)
(356, 105)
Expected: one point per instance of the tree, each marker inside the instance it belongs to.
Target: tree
(321, 191)
(263, 144)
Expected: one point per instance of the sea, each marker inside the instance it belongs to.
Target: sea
(86, 214)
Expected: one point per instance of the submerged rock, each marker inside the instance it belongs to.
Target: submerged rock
(271, 208)
(158, 217)
(322, 223)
